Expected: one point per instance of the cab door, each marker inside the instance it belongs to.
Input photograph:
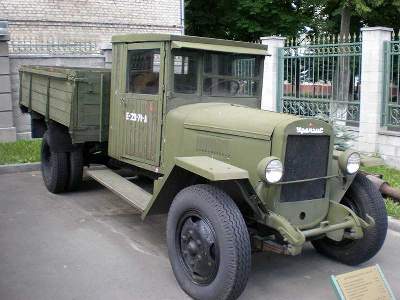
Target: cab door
(140, 103)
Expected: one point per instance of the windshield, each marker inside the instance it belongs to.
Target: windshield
(208, 73)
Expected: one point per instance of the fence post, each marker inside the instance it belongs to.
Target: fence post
(271, 72)
(372, 72)
(7, 129)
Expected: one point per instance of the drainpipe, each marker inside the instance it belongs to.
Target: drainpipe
(182, 17)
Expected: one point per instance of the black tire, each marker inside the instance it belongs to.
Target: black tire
(224, 243)
(55, 167)
(363, 198)
(75, 169)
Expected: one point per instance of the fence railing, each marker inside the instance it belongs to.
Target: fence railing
(52, 47)
(391, 84)
(321, 76)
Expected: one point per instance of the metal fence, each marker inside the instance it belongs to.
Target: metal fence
(321, 76)
(52, 46)
(391, 84)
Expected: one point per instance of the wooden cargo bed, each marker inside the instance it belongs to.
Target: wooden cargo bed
(77, 98)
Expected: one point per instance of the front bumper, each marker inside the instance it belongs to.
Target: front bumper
(341, 222)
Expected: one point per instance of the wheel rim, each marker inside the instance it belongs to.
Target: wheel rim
(197, 247)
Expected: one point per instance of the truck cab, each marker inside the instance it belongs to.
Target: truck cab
(154, 74)
(232, 178)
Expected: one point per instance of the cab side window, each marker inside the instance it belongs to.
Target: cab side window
(143, 71)
(185, 72)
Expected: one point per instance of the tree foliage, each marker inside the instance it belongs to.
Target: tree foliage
(329, 14)
(248, 20)
(245, 20)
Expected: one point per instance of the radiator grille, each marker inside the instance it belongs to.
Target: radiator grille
(306, 157)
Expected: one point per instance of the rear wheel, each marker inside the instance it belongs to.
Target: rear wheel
(55, 168)
(75, 169)
(208, 243)
(363, 198)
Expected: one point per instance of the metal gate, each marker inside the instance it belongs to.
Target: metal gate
(321, 76)
(391, 84)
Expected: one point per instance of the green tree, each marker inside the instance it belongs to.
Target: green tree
(246, 20)
(347, 16)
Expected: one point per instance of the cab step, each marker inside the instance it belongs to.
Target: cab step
(130, 192)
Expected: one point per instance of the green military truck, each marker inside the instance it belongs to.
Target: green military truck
(185, 112)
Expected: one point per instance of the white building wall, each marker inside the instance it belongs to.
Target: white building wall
(89, 19)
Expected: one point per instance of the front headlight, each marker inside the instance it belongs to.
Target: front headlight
(353, 163)
(349, 162)
(270, 169)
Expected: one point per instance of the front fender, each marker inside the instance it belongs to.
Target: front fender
(187, 171)
(211, 169)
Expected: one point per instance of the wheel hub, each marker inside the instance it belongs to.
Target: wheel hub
(198, 249)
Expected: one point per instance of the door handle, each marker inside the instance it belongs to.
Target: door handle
(122, 100)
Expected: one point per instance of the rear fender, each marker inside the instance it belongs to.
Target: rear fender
(59, 138)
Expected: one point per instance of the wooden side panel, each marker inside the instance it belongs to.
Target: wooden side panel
(25, 80)
(48, 96)
(92, 113)
(76, 98)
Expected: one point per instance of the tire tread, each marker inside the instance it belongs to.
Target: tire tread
(235, 230)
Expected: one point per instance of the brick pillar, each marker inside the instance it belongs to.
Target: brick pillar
(270, 78)
(372, 68)
(7, 129)
(106, 51)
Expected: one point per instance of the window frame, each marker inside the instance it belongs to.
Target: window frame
(201, 75)
(257, 78)
(144, 46)
(187, 52)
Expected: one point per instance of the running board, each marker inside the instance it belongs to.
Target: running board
(132, 193)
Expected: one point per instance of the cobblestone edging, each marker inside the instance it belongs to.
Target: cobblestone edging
(16, 168)
(394, 224)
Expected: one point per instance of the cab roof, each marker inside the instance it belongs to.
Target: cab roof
(183, 40)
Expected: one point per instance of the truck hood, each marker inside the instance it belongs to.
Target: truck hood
(232, 119)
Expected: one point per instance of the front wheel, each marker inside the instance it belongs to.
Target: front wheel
(208, 243)
(363, 198)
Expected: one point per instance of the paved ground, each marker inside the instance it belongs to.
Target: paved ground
(91, 245)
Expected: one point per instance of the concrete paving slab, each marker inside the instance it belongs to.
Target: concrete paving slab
(92, 245)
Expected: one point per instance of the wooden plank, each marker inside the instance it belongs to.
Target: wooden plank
(61, 96)
(46, 71)
(127, 190)
(54, 94)
(39, 107)
(65, 86)
(24, 96)
(39, 80)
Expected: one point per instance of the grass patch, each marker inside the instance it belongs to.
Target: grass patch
(389, 174)
(23, 151)
(393, 208)
(392, 176)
